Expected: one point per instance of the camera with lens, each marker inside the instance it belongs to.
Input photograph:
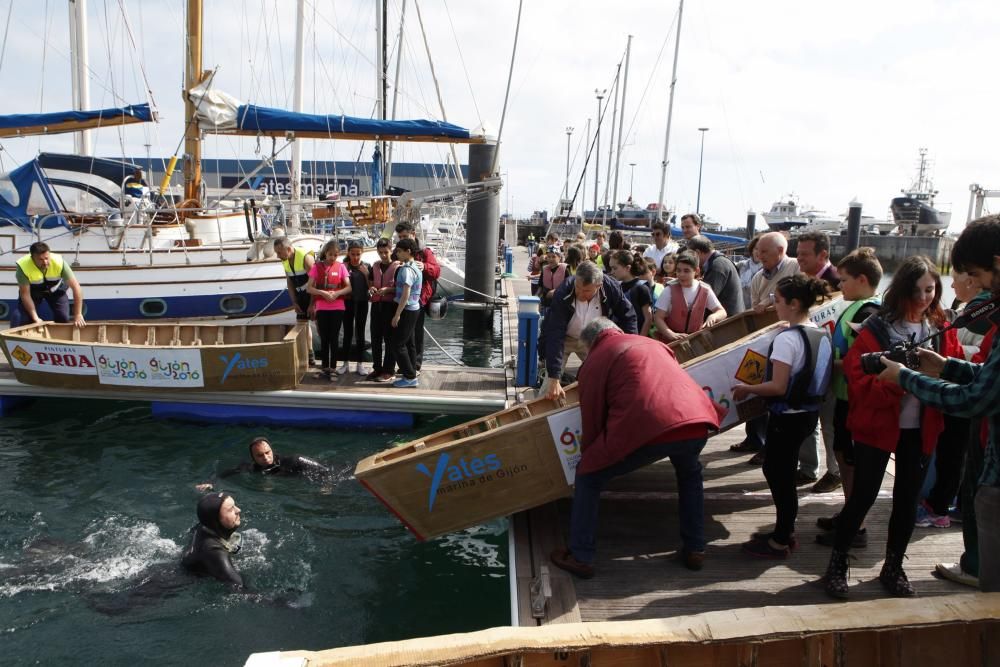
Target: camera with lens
(903, 352)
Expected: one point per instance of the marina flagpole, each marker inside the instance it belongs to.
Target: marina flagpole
(670, 114)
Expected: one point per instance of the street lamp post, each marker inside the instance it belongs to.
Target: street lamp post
(631, 181)
(697, 206)
(597, 164)
(569, 133)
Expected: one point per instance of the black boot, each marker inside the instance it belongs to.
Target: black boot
(893, 578)
(835, 580)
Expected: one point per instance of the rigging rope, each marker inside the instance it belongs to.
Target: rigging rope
(135, 49)
(649, 82)
(461, 58)
(6, 31)
(506, 96)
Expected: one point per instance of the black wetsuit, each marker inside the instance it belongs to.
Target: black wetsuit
(285, 466)
(210, 550)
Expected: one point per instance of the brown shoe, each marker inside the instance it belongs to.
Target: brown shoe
(801, 479)
(564, 560)
(693, 560)
(757, 459)
(827, 483)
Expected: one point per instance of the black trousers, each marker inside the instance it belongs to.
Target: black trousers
(328, 324)
(355, 319)
(869, 469)
(948, 461)
(417, 347)
(382, 359)
(785, 433)
(402, 342)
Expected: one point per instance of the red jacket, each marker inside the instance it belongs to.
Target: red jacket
(432, 271)
(633, 393)
(874, 406)
(979, 358)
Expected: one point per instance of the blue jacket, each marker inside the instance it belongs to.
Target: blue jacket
(614, 306)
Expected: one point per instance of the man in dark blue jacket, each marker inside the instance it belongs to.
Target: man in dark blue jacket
(581, 299)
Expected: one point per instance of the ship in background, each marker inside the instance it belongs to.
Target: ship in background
(915, 212)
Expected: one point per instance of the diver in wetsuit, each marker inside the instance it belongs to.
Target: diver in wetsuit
(265, 461)
(215, 539)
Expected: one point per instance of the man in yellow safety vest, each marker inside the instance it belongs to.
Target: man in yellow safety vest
(297, 263)
(44, 276)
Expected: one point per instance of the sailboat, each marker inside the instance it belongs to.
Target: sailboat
(144, 257)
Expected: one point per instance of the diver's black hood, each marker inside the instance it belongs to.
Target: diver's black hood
(208, 513)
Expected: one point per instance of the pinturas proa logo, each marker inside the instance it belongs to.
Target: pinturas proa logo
(460, 474)
(238, 362)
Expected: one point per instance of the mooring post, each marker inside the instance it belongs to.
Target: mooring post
(853, 226)
(751, 224)
(527, 340)
(482, 233)
(482, 229)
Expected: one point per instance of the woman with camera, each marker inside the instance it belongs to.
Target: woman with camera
(883, 419)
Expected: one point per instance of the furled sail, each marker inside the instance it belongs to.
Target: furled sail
(30, 124)
(222, 114)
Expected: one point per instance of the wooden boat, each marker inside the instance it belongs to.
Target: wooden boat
(956, 629)
(162, 355)
(526, 455)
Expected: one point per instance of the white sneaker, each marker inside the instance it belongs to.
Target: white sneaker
(360, 369)
(343, 368)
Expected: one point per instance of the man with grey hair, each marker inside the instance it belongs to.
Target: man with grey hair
(773, 251)
(637, 406)
(581, 299)
(719, 272)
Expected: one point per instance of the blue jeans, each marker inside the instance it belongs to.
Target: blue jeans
(691, 501)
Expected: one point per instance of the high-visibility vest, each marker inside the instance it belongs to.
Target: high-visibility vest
(49, 282)
(296, 270)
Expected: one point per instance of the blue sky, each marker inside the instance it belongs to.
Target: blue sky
(828, 101)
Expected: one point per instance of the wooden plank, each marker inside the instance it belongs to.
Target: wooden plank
(750, 636)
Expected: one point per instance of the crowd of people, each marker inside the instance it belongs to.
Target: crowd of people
(901, 376)
(347, 297)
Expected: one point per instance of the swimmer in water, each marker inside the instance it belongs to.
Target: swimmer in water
(265, 461)
(215, 540)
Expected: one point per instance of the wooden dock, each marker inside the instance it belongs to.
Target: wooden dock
(639, 576)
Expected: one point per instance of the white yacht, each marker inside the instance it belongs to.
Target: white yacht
(787, 216)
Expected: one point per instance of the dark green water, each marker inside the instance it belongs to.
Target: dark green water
(96, 504)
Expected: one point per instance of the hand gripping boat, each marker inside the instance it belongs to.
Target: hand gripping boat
(526, 455)
(161, 356)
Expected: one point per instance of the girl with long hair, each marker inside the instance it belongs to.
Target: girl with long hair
(329, 282)
(884, 420)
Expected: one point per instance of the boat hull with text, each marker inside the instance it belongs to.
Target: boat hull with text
(162, 356)
(526, 455)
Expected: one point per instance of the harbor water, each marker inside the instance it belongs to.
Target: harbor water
(97, 500)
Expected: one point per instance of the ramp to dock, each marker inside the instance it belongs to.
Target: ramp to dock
(639, 575)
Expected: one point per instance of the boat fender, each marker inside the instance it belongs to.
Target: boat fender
(437, 308)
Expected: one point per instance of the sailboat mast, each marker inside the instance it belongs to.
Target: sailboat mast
(78, 56)
(297, 83)
(380, 73)
(616, 90)
(670, 114)
(192, 77)
(621, 120)
(395, 86)
(437, 88)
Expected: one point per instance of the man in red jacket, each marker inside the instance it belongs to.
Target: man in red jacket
(638, 406)
(430, 270)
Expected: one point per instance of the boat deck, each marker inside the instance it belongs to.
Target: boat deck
(638, 576)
